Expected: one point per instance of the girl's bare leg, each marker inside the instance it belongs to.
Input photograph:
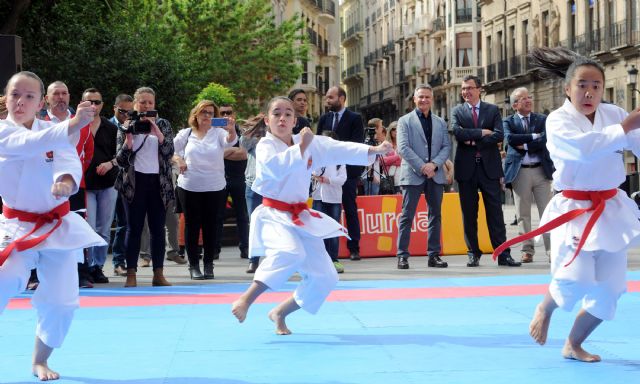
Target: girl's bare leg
(279, 314)
(240, 307)
(539, 326)
(584, 324)
(41, 370)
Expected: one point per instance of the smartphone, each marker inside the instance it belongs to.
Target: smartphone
(219, 122)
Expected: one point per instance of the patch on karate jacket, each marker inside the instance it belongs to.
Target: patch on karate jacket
(8, 231)
(49, 157)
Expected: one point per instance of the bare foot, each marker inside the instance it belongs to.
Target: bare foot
(239, 308)
(540, 325)
(281, 326)
(44, 373)
(577, 353)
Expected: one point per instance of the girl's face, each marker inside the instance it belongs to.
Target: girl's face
(585, 90)
(24, 100)
(281, 120)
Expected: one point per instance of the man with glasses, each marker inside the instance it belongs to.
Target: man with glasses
(122, 106)
(528, 166)
(477, 127)
(100, 177)
(235, 163)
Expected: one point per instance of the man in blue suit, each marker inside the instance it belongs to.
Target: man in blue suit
(348, 126)
(477, 127)
(424, 145)
(528, 166)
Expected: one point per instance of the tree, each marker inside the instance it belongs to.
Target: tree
(236, 43)
(217, 93)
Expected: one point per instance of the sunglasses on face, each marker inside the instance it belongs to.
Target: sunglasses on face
(122, 111)
(226, 113)
(95, 102)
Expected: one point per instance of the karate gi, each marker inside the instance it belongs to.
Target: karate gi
(283, 174)
(30, 162)
(588, 157)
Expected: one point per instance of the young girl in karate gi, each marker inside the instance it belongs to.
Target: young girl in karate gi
(585, 138)
(40, 169)
(283, 228)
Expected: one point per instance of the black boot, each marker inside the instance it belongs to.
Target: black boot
(194, 271)
(208, 271)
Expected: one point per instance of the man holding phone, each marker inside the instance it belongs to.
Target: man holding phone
(235, 163)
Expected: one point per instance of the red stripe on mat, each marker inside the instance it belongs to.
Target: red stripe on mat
(340, 295)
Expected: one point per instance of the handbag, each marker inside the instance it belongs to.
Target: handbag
(387, 183)
(126, 179)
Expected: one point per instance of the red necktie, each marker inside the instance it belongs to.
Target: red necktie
(474, 115)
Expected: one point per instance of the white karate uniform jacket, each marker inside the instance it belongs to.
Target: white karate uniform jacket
(28, 168)
(588, 157)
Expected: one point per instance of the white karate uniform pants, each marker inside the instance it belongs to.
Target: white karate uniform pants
(596, 277)
(287, 251)
(56, 298)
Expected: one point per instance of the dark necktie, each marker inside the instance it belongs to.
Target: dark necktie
(336, 116)
(474, 116)
(525, 124)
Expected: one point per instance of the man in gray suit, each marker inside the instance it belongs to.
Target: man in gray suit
(424, 145)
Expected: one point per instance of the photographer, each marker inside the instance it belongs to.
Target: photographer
(374, 134)
(145, 148)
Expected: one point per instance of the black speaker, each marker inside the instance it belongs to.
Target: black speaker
(11, 53)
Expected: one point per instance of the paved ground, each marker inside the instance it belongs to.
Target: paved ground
(231, 269)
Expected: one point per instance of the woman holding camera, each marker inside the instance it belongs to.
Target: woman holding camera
(145, 143)
(201, 184)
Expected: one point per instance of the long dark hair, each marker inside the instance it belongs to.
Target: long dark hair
(560, 62)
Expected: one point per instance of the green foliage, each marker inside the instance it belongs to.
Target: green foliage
(217, 93)
(176, 47)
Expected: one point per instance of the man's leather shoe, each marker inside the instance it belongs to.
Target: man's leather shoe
(355, 255)
(253, 267)
(403, 263)
(474, 261)
(508, 261)
(526, 258)
(436, 262)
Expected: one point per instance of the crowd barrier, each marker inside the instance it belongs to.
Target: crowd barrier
(379, 227)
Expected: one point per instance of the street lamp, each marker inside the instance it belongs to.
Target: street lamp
(632, 79)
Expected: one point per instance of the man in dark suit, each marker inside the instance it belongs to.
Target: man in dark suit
(477, 127)
(528, 166)
(349, 127)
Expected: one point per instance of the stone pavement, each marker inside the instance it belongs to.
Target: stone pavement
(230, 268)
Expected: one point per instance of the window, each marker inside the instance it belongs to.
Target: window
(464, 49)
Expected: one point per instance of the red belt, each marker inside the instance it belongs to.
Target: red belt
(597, 206)
(295, 209)
(40, 219)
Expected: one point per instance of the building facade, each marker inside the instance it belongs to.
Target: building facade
(322, 70)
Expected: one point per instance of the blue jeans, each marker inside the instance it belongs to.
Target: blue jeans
(253, 200)
(117, 248)
(333, 210)
(101, 204)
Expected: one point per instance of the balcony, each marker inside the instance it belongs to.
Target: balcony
(502, 69)
(463, 15)
(410, 67)
(352, 34)
(421, 24)
(491, 73)
(352, 73)
(457, 74)
(408, 31)
(439, 26)
(436, 80)
(327, 11)
(313, 36)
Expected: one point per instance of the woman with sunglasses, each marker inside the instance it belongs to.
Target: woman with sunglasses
(201, 184)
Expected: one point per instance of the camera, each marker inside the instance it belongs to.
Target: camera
(136, 125)
(370, 139)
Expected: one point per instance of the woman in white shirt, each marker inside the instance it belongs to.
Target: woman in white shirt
(199, 152)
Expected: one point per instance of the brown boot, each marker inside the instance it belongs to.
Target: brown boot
(158, 278)
(131, 278)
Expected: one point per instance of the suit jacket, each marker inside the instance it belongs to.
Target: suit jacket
(350, 128)
(414, 150)
(463, 130)
(515, 135)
